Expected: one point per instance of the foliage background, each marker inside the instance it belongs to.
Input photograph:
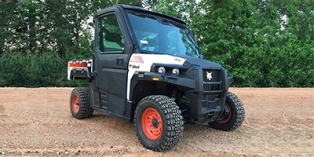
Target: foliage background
(262, 43)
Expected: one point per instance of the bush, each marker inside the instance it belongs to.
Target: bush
(34, 70)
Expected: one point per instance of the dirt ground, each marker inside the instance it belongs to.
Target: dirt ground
(38, 122)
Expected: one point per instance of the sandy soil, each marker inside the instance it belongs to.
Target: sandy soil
(38, 122)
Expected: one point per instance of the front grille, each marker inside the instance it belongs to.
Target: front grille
(210, 75)
(212, 87)
(211, 80)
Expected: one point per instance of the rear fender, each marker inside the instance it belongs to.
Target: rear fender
(79, 69)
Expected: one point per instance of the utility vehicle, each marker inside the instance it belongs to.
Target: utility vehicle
(147, 68)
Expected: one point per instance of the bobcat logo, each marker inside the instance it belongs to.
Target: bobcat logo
(209, 75)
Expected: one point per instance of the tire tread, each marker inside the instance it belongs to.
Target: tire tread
(85, 110)
(174, 122)
(240, 115)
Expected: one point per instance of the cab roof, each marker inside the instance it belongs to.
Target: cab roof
(135, 8)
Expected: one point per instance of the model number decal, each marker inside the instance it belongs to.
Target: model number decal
(177, 59)
(134, 66)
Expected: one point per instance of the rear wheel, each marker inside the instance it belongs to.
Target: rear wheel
(79, 103)
(158, 122)
(233, 115)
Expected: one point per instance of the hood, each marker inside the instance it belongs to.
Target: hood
(200, 62)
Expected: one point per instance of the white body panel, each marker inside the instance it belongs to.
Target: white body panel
(144, 65)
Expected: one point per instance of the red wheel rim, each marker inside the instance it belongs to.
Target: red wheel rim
(75, 103)
(151, 124)
(227, 117)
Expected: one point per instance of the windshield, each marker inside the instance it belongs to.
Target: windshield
(163, 36)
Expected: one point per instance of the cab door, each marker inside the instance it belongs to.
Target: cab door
(112, 51)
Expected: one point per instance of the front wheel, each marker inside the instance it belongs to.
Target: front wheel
(158, 123)
(232, 116)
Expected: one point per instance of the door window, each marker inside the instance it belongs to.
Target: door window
(110, 38)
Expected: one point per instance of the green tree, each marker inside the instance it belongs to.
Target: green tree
(227, 28)
(7, 9)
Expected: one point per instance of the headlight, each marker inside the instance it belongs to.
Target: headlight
(175, 71)
(161, 70)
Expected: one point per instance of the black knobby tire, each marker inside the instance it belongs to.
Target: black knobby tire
(234, 118)
(166, 127)
(79, 103)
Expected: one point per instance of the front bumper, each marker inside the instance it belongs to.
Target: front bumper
(207, 102)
